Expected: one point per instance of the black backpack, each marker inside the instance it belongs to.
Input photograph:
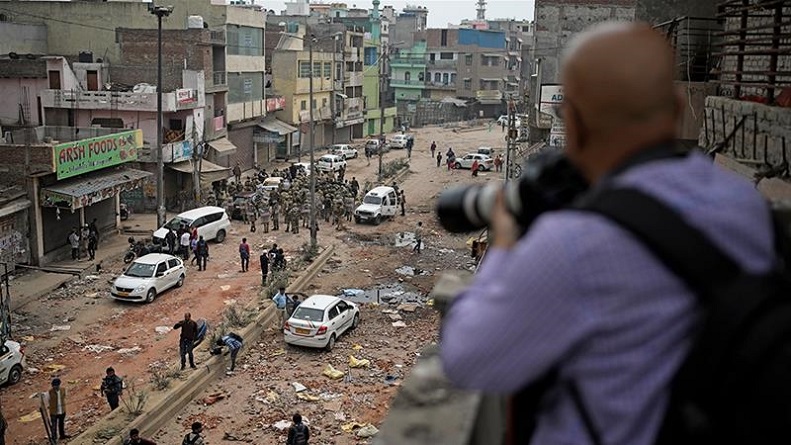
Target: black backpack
(300, 435)
(735, 385)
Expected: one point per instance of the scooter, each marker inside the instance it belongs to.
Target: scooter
(124, 212)
(138, 249)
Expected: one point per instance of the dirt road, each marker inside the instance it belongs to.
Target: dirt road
(135, 339)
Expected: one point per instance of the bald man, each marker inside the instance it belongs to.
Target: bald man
(578, 294)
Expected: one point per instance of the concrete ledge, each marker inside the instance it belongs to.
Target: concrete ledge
(156, 417)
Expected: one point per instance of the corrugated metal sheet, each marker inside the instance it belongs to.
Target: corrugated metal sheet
(90, 189)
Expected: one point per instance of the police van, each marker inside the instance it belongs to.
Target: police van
(378, 204)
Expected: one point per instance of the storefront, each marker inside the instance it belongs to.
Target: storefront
(185, 180)
(14, 227)
(276, 137)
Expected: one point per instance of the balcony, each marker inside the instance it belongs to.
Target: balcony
(441, 85)
(353, 79)
(408, 61)
(120, 101)
(442, 63)
(401, 83)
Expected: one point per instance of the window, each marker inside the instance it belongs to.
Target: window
(468, 59)
(445, 78)
(334, 312)
(244, 41)
(453, 78)
(421, 76)
(245, 87)
(304, 69)
(371, 56)
(407, 76)
(467, 84)
(303, 105)
(175, 124)
(339, 69)
(328, 70)
(446, 56)
(316, 69)
(324, 102)
(314, 104)
(162, 267)
(213, 217)
(443, 37)
(437, 77)
(342, 306)
(173, 263)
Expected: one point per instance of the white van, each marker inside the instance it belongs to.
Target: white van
(379, 203)
(212, 223)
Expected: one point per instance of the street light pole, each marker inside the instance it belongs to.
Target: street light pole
(160, 11)
(382, 90)
(313, 241)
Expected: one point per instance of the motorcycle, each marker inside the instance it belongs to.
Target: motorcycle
(138, 249)
(124, 212)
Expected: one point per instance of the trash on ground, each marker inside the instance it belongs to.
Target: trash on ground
(282, 425)
(399, 324)
(60, 327)
(406, 270)
(28, 338)
(332, 373)
(333, 405)
(357, 347)
(132, 350)
(340, 417)
(97, 349)
(163, 329)
(91, 277)
(407, 307)
(52, 367)
(352, 292)
(277, 353)
(351, 426)
(307, 397)
(394, 317)
(391, 380)
(367, 431)
(272, 397)
(355, 363)
(404, 239)
(225, 287)
(299, 387)
(228, 302)
(35, 415)
(211, 399)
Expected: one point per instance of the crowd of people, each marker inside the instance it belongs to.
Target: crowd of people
(84, 241)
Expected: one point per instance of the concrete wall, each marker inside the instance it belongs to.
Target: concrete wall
(22, 39)
(11, 94)
(659, 11)
(764, 132)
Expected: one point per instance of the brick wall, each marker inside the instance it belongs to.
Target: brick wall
(659, 11)
(763, 134)
(14, 157)
(138, 62)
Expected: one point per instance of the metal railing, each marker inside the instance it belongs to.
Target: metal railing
(694, 40)
(408, 61)
(407, 83)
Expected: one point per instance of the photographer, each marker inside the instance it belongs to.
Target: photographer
(579, 297)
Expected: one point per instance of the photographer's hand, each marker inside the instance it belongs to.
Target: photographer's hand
(505, 232)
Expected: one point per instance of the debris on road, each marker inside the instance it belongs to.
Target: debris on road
(299, 387)
(355, 363)
(97, 349)
(59, 327)
(406, 270)
(332, 373)
(211, 399)
(399, 324)
(162, 330)
(132, 350)
(367, 431)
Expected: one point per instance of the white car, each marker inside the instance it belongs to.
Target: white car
(504, 120)
(303, 166)
(398, 141)
(148, 276)
(330, 163)
(344, 150)
(12, 361)
(212, 223)
(319, 320)
(484, 162)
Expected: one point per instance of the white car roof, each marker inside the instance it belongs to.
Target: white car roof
(333, 157)
(153, 258)
(381, 190)
(200, 211)
(319, 301)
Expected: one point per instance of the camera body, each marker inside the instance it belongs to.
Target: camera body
(548, 182)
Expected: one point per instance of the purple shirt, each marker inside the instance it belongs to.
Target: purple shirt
(580, 292)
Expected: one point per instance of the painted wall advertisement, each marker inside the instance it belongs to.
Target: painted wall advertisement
(87, 155)
(549, 115)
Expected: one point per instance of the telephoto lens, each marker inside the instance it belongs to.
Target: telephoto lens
(548, 182)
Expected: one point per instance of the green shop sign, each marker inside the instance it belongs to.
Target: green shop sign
(87, 155)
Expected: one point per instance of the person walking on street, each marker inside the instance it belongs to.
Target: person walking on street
(194, 437)
(368, 154)
(439, 159)
(135, 439)
(55, 401)
(298, 433)
(171, 241)
(93, 227)
(237, 173)
(244, 254)
(234, 344)
(418, 237)
(280, 302)
(433, 148)
(184, 242)
(203, 252)
(93, 241)
(74, 243)
(264, 259)
(475, 167)
(112, 388)
(189, 331)
(403, 203)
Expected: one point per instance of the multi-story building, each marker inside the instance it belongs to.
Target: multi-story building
(408, 72)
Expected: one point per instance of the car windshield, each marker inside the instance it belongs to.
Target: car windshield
(370, 199)
(177, 222)
(140, 270)
(326, 159)
(308, 314)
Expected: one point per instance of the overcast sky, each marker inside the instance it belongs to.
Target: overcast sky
(441, 12)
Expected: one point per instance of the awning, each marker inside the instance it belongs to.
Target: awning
(14, 206)
(209, 172)
(454, 101)
(277, 126)
(84, 191)
(223, 146)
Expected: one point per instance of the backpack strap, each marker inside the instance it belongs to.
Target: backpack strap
(685, 250)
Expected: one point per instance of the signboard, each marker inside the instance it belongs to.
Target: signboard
(275, 103)
(549, 107)
(87, 155)
(177, 151)
(186, 96)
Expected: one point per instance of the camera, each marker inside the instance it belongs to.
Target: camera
(548, 182)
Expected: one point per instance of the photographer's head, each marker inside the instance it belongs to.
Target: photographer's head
(619, 95)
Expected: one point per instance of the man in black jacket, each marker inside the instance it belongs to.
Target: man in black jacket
(264, 267)
(189, 330)
(203, 253)
(112, 387)
(298, 434)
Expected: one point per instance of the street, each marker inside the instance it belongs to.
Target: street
(136, 339)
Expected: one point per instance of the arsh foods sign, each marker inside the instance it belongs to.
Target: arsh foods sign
(87, 155)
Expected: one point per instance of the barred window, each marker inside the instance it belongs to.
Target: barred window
(304, 69)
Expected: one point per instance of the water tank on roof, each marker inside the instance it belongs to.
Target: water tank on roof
(194, 22)
(85, 57)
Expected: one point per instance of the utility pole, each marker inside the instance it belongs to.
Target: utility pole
(382, 90)
(160, 11)
(509, 139)
(313, 241)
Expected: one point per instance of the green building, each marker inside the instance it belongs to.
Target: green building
(408, 71)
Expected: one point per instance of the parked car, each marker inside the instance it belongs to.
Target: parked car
(212, 223)
(240, 201)
(319, 320)
(303, 166)
(398, 141)
(484, 162)
(488, 151)
(330, 163)
(344, 150)
(12, 362)
(147, 277)
(503, 119)
(374, 145)
(379, 203)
